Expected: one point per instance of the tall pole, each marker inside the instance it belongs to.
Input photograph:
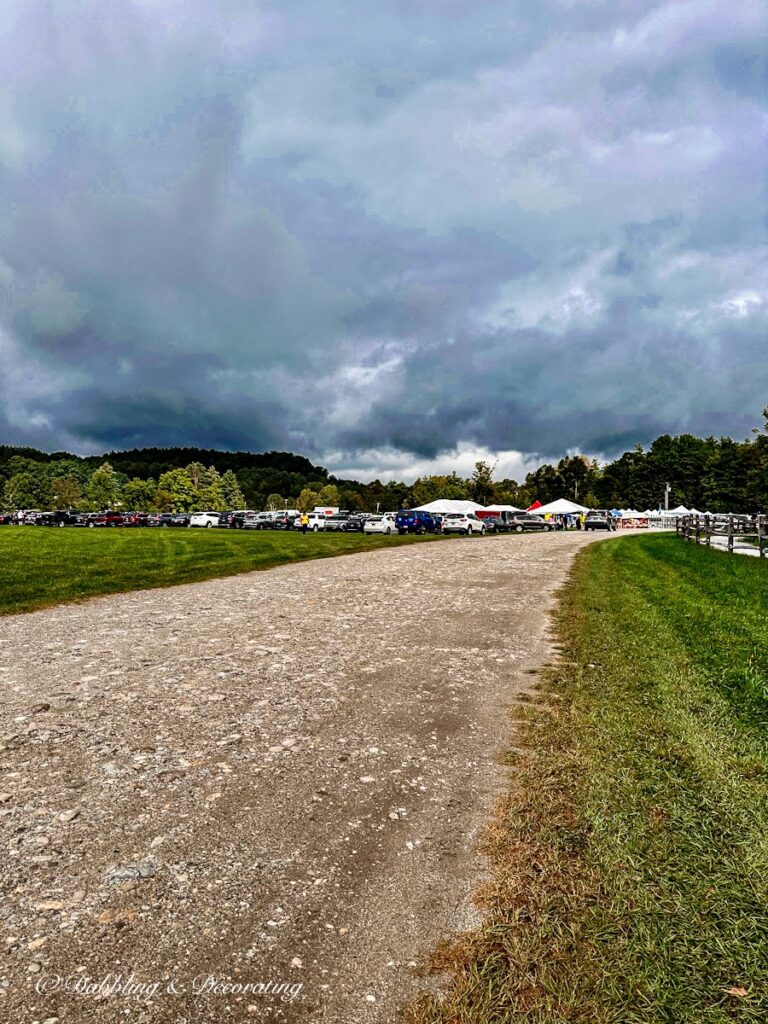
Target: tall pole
(667, 489)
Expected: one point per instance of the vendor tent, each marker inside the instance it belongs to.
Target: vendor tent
(561, 507)
(503, 508)
(441, 506)
(681, 510)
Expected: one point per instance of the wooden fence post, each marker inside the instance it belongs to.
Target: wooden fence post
(730, 534)
(761, 534)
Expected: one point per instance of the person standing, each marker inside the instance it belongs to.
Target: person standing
(304, 522)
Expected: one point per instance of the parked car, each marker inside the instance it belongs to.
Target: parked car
(6, 518)
(414, 521)
(103, 519)
(283, 522)
(257, 521)
(380, 524)
(316, 521)
(355, 524)
(528, 521)
(206, 519)
(168, 519)
(57, 518)
(234, 520)
(463, 522)
(135, 519)
(337, 522)
(599, 521)
(496, 524)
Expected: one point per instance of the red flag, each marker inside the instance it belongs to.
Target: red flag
(535, 505)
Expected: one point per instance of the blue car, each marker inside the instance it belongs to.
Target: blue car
(413, 521)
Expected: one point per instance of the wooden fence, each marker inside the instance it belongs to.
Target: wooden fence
(729, 533)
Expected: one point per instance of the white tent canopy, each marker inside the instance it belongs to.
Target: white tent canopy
(445, 505)
(502, 508)
(560, 507)
(681, 510)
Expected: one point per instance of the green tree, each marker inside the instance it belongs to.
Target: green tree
(481, 484)
(211, 497)
(275, 502)
(65, 492)
(510, 492)
(577, 475)
(233, 496)
(176, 491)
(396, 496)
(351, 500)
(140, 495)
(307, 500)
(20, 492)
(103, 490)
(431, 488)
(329, 495)
(196, 472)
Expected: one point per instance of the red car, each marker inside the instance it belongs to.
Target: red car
(135, 519)
(105, 519)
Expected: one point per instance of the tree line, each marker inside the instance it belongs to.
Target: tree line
(713, 474)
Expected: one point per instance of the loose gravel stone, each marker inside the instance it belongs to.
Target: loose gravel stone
(309, 753)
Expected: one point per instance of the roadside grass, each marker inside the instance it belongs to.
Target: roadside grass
(630, 855)
(44, 566)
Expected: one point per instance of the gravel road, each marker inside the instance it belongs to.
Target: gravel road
(275, 779)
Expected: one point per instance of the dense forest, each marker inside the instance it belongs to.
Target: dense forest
(716, 474)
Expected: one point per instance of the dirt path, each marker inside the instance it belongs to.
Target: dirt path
(275, 778)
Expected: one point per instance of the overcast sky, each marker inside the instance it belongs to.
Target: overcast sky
(386, 234)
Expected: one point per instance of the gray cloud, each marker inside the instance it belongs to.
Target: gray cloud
(394, 228)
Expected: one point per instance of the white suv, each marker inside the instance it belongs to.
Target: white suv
(317, 521)
(460, 522)
(204, 519)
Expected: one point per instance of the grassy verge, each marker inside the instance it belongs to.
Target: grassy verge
(49, 566)
(630, 857)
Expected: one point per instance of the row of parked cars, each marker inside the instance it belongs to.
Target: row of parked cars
(406, 521)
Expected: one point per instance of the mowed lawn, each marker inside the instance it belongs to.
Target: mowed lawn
(43, 566)
(630, 855)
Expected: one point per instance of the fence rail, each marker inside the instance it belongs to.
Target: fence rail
(731, 533)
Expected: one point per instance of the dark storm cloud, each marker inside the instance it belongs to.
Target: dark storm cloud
(385, 230)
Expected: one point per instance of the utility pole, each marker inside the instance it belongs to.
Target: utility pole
(667, 489)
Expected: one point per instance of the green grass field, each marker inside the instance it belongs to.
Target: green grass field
(630, 856)
(44, 566)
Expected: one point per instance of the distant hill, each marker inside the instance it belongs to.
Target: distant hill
(259, 474)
